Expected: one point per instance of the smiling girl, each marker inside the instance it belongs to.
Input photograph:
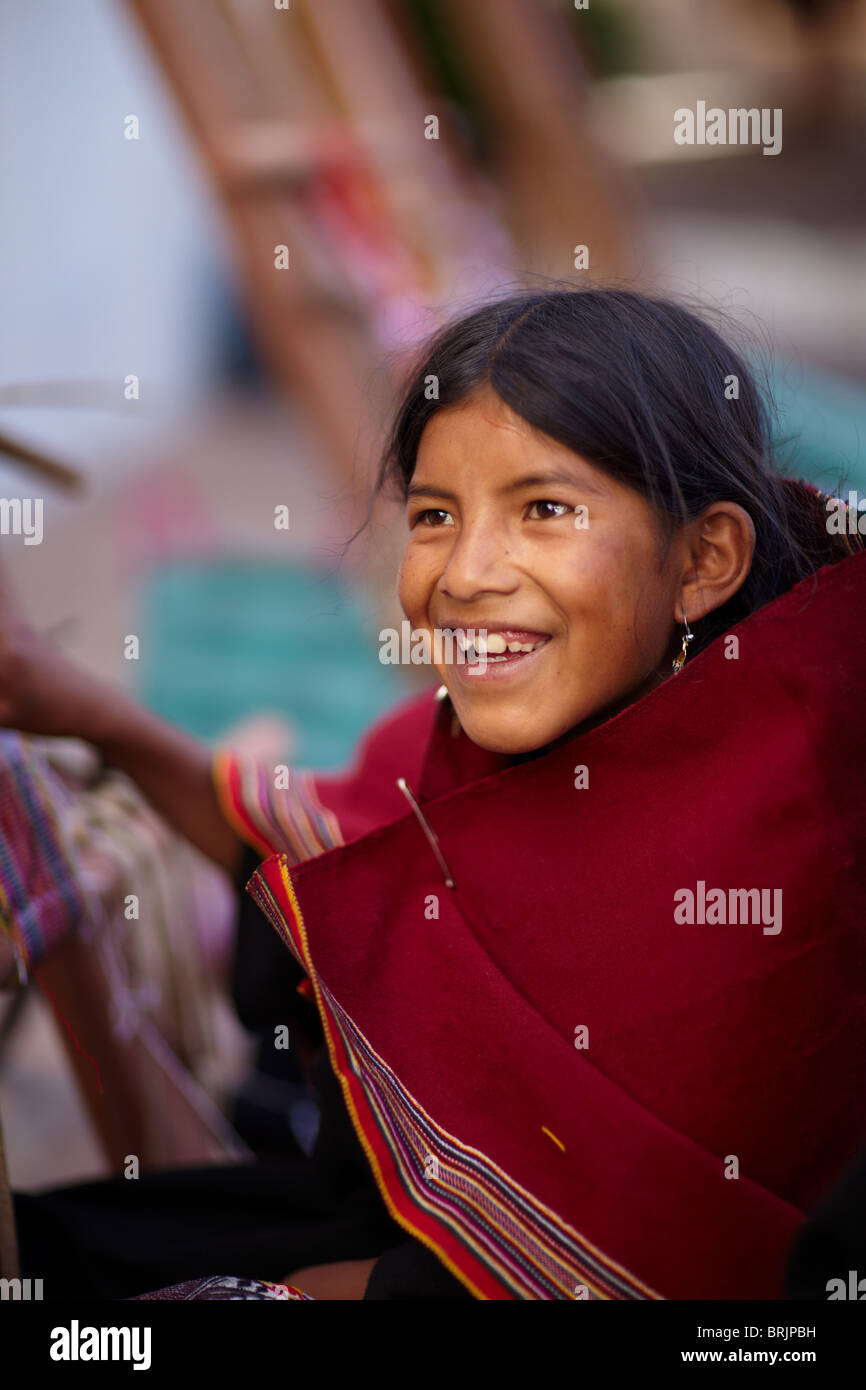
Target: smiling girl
(498, 550)
(558, 1089)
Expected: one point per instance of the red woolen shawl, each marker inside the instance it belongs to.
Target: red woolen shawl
(534, 1167)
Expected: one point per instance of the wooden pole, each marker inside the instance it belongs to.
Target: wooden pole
(42, 465)
(560, 189)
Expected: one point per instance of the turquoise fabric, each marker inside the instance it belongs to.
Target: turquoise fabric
(826, 417)
(225, 639)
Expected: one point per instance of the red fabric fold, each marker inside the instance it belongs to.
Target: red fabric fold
(453, 1016)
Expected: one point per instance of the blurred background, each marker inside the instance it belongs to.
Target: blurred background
(227, 226)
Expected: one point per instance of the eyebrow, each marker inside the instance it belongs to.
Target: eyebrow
(555, 477)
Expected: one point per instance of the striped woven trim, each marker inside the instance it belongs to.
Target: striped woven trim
(522, 1244)
(492, 1234)
(41, 901)
(272, 820)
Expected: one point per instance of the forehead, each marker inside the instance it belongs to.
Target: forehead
(455, 427)
(483, 443)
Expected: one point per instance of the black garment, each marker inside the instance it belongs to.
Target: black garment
(265, 979)
(411, 1271)
(832, 1243)
(118, 1237)
(265, 974)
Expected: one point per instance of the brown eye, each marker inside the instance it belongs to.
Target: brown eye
(548, 510)
(433, 516)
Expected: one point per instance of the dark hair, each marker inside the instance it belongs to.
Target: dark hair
(637, 386)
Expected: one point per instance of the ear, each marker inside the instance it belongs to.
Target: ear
(720, 545)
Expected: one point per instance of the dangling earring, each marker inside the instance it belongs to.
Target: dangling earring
(688, 636)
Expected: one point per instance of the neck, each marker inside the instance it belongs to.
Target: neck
(656, 678)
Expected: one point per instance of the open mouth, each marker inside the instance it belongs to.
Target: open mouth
(482, 648)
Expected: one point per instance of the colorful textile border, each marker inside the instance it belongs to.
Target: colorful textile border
(225, 1288)
(264, 816)
(41, 900)
(488, 1230)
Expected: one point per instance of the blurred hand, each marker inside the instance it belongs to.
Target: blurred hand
(40, 690)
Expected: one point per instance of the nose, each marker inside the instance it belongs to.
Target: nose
(479, 562)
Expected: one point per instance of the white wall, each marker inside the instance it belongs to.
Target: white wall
(108, 246)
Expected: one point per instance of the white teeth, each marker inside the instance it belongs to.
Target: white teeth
(494, 645)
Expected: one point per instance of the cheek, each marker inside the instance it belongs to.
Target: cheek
(415, 581)
(594, 588)
(611, 600)
(637, 605)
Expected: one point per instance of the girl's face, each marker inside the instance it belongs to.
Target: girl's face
(513, 534)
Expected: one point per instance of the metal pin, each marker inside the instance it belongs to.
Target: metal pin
(428, 831)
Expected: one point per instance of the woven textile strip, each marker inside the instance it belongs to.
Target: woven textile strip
(264, 816)
(41, 901)
(225, 1288)
(488, 1230)
(521, 1243)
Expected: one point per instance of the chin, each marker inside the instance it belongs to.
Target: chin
(501, 736)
